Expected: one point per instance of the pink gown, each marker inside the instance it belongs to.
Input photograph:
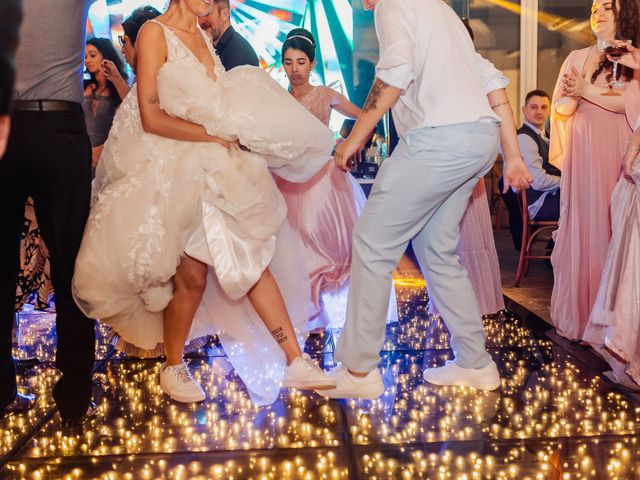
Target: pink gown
(614, 324)
(588, 147)
(323, 212)
(478, 255)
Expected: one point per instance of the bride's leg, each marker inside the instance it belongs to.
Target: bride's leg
(189, 281)
(267, 300)
(301, 372)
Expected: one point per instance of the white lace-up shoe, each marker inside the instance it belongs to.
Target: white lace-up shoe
(485, 378)
(177, 382)
(352, 386)
(303, 374)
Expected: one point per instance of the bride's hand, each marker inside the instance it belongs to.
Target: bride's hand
(228, 144)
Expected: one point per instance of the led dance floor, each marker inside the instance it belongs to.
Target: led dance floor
(555, 416)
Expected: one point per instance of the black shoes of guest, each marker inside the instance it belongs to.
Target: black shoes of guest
(74, 427)
(26, 364)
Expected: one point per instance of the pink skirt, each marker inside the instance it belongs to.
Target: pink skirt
(323, 212)
(478, 255)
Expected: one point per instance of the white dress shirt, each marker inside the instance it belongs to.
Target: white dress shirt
(426, 51)
(542, 181)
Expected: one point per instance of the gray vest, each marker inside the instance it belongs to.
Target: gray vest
(543, 148)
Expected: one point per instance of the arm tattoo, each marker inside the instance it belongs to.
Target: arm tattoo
(279, 335)
(376, 92)
(153, 99)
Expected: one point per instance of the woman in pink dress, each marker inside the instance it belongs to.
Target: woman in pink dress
(478, 255)
(614, 324)
(588, 135)
(323, 210)
(477, 252)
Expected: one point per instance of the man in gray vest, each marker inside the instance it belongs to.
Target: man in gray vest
(543, 197)
(49, 159)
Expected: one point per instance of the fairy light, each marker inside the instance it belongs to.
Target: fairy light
(544, 395)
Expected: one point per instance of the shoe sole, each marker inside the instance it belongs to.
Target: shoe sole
(181, 399)
(474, 383)
(299, 386)
(365, 396)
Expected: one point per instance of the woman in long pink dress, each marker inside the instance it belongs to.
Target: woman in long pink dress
(477, 252)
(324, 210)
(614, 324)
(588, 135)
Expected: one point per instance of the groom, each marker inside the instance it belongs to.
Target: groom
(448, 115)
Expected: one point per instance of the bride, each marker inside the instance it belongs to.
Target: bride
(187, 234)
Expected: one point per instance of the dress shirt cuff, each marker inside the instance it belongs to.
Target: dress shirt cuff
(399, 76)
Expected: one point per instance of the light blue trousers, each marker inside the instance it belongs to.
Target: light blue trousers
(420, 195)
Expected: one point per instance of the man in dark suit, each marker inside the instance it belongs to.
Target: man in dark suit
(10, 17)
(48, 158)
(232, 48)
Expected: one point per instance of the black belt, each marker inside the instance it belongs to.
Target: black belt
(46, 106)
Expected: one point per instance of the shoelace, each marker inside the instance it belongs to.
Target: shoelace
(309, 364)
(183, 374)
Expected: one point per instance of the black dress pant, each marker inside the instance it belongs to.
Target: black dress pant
(550, 210)
(48, 158)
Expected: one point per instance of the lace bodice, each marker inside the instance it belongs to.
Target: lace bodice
(186, 90)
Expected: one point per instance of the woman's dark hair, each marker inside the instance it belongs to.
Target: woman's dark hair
(108, 51)
(300, 39)
(133, 23)
(627, 18)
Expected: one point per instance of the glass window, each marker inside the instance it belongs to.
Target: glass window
(496, 26)
(562, 27)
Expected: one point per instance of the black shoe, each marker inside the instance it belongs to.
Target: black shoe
(24, 365)
(74, 427)
(21, 404)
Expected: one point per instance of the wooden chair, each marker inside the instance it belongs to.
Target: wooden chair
(531, 230)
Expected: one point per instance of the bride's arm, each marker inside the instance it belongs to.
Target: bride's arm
(151, 55)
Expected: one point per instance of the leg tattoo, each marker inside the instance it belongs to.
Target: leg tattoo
(279, 335)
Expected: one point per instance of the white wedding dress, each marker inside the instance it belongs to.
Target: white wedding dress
(156, 199)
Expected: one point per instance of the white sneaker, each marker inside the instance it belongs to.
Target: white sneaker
(351, 386)
(485, 378)
(306, 375)
(177, 382)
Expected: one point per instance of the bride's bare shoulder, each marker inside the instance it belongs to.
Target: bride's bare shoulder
(151, 32)
(151, 38)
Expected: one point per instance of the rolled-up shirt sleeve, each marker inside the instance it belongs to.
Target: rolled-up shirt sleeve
(492, 78)
(394, 25)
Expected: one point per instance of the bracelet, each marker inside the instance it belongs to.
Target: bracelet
(499, 105)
